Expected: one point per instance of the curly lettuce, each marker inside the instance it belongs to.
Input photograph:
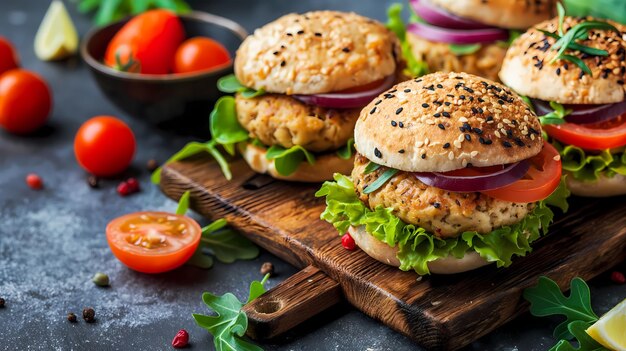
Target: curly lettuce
(590, 168)
(417, 247)
(395, 23)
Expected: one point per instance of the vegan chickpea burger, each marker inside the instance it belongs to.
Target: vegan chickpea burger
(574, 70)
(451, 173)
(468, 35)
(300, 83)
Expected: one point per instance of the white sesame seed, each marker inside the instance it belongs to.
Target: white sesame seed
(451, 155)
(497, 134)
(557, 158)
(463, 119)
(457, 144)
(474, 153)
(419, 143)
(426, 142)
(464, 162)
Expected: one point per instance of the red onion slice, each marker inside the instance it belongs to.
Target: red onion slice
(460, 37)
(585, 114)
(489, 181)
(346, 100)
(442, 18)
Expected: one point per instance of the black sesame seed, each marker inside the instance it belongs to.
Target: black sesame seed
(488, 142)
(441, 126)
(300, 32)
(398, 111)
(480, 110)
(477, 131)
(436, 205)
(462, 129)
(378, 102)
(506, 144)
(318, 34)
(519, 142)
(377, 153)
(489, 118)
(283, 63)
(418, 80)
(276, 53)
(474, 110)
(289, 35)
(462, 97)
(481, 140)
(458, 77)
(469, 165)
(468, 137)
(469, 90)
(373, 110)
(345, 49)
(423, 156)
(407, 90)
(446, 145)
(446, 114)
(394, 123)
(401, 125)
(439, 86)
(437, 115)
(558, 71)
(620, 82)
(401, 151)
(500, 102)
(425, 105)
(481, 100)
(447, 103)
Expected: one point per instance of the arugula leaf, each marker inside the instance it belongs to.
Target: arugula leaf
(416, 247)
(593, 166)
(227, 245)
(183, 204)
(371, 167)
(557, 116)
(200, 260)
(225, 127)
(108, 11)
(395, 23)
(191, 149)
(585, 342)
(287, 161)
(546, 299)
(230, 84)
(230, 324)
(347, 151)
(380, 181)
(460, 50)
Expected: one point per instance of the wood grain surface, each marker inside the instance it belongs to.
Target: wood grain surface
(438, 312)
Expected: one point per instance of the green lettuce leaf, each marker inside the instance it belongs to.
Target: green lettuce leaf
(460, 49)
(395, 23)
(589, 168)
(230, 84)
(287, 161)
(347, 151)
(225, 127)
(416, 247)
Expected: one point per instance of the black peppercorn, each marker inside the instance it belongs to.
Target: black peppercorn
(152, 165)
(2, 302)
(93, 181)
(71, 317)
(89, 315)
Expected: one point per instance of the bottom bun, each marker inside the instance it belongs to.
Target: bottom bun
(325, 165)
(387, 254)
(603, 187)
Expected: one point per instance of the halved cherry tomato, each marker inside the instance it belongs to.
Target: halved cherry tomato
(146, 44)
(104, 146)
(599, 136)
(153, 242)
(200, 54)
(25, 101)
(542, 179)
(8, 56)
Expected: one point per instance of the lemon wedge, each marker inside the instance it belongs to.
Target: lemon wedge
(610, 329)
(57, 37)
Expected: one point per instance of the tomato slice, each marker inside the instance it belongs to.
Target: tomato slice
(542, 179)
(599, 136)
(153, 242)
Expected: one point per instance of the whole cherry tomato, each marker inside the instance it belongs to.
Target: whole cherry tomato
(104, 146)
(200, 54)
(146, 44)
(8, 56)
(25, 101)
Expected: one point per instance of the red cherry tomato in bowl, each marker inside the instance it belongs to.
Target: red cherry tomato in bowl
(104, 146)
(25, 101)
(8, 57)
(146, 44)
(200, 54)
(153, 242)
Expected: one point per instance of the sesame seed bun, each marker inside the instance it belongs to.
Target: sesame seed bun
(317, 52)
(603, 187)
(513, 14)
(388, 255)
(323, 169)
(527, 69)
(446, 121)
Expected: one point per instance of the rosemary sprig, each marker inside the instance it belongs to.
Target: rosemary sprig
(567, 41)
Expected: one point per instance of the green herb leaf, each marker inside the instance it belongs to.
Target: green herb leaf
(200, 260)
(192, 148)
(108, 11)
(287, 161)
(395, 23)
(183, 204)
(227, 245)
(585, 342)
(546, 299)
(230, 84)
(557, 116)
(561, 11)
(528, 102)
(347, 151)
(371, 167)
(461, 50)
(611, 9)
(230, 324)
(384, 178)
(257, 288)
(225, 127)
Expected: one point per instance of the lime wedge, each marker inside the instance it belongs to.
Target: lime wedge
(57, 37)
(610, 329)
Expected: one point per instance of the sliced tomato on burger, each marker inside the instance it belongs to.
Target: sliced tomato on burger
(598, 136)
(542, 178)
(153, 242)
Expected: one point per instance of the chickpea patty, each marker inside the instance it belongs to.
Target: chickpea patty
(282, 120)
(445, 214)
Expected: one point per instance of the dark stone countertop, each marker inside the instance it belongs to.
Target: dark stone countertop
(52, 241)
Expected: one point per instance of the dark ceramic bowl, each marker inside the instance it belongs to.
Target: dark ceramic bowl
(182, 101)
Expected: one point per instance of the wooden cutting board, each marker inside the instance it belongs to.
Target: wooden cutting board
(438, 312)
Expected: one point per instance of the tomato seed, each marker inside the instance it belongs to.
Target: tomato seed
(618, 277)
(34, 181)
(347, 242)
(181, 339)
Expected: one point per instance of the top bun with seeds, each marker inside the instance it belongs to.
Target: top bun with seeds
(528, 71)
(317, 52)
(446, 121)
(514, 14)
